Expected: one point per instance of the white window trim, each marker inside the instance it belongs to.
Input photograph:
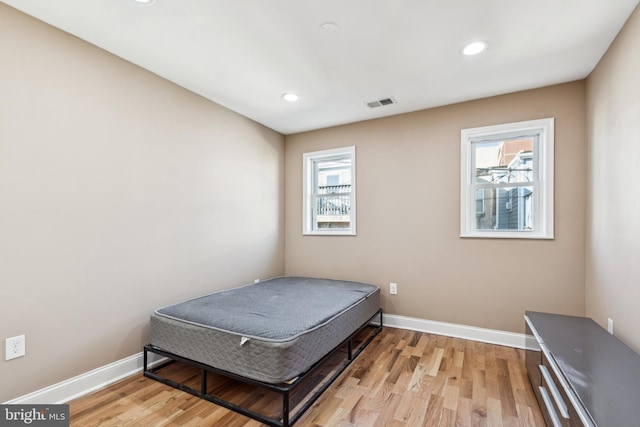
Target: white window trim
(544, 206)
(307, 191)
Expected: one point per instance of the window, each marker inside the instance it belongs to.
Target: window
(507, 180)
(329, 192)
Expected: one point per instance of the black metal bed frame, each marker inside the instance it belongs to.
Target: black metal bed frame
(285, 389)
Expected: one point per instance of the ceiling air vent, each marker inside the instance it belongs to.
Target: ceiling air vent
(381, 102)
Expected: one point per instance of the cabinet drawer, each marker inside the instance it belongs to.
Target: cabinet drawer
(562, 404)
(551, 417)
(553, 402)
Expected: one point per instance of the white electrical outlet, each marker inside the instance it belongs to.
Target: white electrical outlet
(393, 288)
(610, 325)
(14, 347)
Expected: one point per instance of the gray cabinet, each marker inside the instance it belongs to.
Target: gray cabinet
(581, 375)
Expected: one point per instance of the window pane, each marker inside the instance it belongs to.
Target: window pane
(505, 208)
(333, 194)
(333, 211)
(503, 161)
(334, 172)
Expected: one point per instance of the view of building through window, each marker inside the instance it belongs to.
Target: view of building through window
(503, 182)
(333, 193)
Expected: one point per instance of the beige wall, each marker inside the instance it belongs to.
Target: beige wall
(408, 177)
(119, 192)
(613, 227)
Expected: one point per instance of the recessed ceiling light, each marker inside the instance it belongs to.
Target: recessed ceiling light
(290, 96)
(474, 48)
(329, 27)
(144, 1)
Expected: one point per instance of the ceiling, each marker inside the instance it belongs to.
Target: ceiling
(244, 54)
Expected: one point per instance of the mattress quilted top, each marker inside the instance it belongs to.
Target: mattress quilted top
(278, 309)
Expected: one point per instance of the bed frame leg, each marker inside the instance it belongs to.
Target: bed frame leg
(285, 409)
(203, 382)
(350, 349)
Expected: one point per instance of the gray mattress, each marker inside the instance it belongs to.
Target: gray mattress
(271, 331)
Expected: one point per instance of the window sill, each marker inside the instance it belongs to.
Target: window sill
(329, 233)
(508, 235)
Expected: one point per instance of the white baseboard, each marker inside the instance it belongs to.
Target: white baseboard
(75, 387)
(491, 336)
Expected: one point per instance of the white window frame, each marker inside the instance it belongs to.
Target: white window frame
(543, 224)
(308, 197)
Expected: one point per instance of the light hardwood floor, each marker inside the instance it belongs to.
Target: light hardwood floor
(403, 378)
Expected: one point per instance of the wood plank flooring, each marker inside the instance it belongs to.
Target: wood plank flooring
(402, 379)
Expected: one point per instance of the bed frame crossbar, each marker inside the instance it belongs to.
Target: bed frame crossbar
(284, 390)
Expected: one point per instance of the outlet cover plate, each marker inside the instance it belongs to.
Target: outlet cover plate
(393, 288)
(14, 347)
